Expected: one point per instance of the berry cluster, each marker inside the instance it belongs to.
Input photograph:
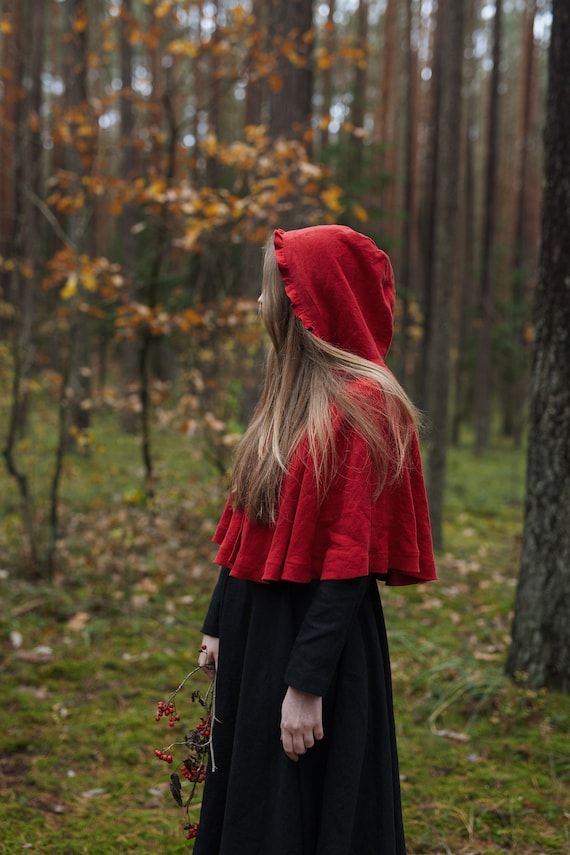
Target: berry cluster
(167, 708)
(196, 744)
(204, 728)
(191, 830)
(193, 773)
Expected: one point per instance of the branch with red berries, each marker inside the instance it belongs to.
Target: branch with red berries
(197, 746)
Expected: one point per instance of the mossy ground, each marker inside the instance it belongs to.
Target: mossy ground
(485, 764)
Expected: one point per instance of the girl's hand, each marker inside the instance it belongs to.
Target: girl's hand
(208, 658)
(301, 722)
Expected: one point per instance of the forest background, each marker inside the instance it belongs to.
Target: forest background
(147, 149)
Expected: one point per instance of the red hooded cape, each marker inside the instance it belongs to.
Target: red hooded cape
(341, 287)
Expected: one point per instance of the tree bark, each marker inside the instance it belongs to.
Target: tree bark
(409, 159)
(355, 160)
(290, 105)
(256, 92)
(130, 345)
(541, 629)
(79, 390)
(290, 109)
(524, 254)
(388, 119)
(329, 42)
(19, 235)
(427, 212)
(485, 319)
(446, 204)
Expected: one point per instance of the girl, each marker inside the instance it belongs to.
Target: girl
(327, 497)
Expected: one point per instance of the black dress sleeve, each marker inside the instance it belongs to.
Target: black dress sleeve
(211, 625)
(323, 633)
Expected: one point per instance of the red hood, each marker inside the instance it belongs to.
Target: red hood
(341, 287)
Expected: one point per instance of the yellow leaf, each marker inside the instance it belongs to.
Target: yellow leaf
(325, 60)
(156, 188)
(210, 145)
(80, 24)
(284, 186)
(89, 281)
(331, 198)
(70, 287)
(183, 47)
(5, 26)
(191, 317)
(360, 213)
(275, 82)
(163, 9)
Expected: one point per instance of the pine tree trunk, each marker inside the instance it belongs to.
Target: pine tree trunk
(79, 388)
(483, 390)
(130, 345)
(427, 212)
(355, 160)
(388, 98)
(409, 159)
(524, 259)
(541, 629)
(290, 106)
(290, 110)
(446, 204)
(327, 75)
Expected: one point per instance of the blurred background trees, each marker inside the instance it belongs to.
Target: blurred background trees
(149, 146)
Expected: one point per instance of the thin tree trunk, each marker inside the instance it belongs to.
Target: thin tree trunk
(11, 113)
(79, 389)
(466, 280)
(130, 345)
(485, 319)
(327, 75)
(523, 256)
(153, 283)
(427, 213)
(388, 121)
(255, 94)
(447, 171)
(409, 219)
(355, 160)
(19, 237)
(214, 106)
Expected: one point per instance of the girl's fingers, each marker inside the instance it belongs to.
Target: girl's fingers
(297, 744)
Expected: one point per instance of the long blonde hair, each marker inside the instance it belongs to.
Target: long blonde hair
(306, 381)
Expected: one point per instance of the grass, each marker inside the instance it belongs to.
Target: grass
(485, 764)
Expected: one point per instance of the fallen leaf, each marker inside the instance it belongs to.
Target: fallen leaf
(78, 622)
(456, 736)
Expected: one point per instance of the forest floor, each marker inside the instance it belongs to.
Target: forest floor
(86, 656)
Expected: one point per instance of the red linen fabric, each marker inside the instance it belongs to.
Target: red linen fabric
(342, 289)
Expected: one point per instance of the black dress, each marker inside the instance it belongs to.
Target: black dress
(343, 796)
